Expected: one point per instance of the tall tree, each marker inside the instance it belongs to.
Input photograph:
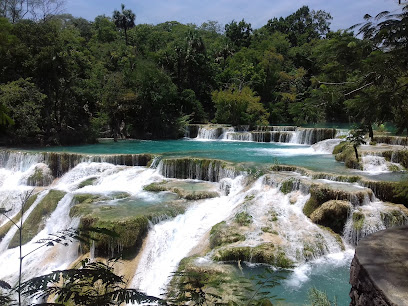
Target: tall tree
(239, 33)
(302, 26)
(124, 20)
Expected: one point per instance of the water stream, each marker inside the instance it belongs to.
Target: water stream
(276, 216)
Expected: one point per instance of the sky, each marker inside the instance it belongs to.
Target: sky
(345, 13)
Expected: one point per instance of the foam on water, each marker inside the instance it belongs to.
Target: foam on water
(170, 241)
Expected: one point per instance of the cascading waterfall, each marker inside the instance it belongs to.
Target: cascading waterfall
(284, 134)
(198, 169)
(326, 146)
(375, 164)
(303, 240)
(312, 135)
(238, 136)
(109, 178)
(13, 230)
(370, 218)
(170, 241)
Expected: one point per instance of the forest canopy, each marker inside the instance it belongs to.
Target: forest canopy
(66, 80)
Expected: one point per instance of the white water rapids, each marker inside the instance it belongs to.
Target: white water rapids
(171, 240)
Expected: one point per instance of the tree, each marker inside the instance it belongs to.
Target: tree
(302, 26)
(25, 102)
(356, 138)
(239, 33)
(239, 107)
(124, 20)
(389, 69)
(15, 10)
(93, 283)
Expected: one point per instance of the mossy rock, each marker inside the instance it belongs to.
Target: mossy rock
(42, 176)
(394, 192)
(36, 220)
(287, 186)
(243, 218)
(340, 147)
(194, 196)
(156, 187)
(186, 193)
(266, 253)
(222, 234)
(320, 194)
(397, 156)
(316, 175)
(128, 219)
(395, 217)
(130, 234)
(6, 227)
(345, 152)
(335, 235)
(358, 220)
(87, 182)
(332, 214)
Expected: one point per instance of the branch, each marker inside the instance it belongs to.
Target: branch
(341, 83)
(362, 87)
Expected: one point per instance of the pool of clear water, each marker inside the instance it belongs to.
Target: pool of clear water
(234, 151)
(329, 274)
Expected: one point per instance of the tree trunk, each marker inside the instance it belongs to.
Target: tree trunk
(355, 151)
(370, 132)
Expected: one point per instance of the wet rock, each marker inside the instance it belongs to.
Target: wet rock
(332, 214)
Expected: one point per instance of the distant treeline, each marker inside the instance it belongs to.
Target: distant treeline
(67, 80)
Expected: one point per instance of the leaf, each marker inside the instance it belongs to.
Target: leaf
(5, 285)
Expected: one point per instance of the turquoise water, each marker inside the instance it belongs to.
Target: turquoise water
(237, 152)
(327, 275)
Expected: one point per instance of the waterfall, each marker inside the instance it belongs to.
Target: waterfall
(301, 240)
(326, 146)
(312, 135)
(195, 168)
(286, 134)
(170, 241)
(238, 136)
(372, 217)
(213, 132)
(282, 136)
(274, 206)
(18, 161)
(46, 259)
(375, 164)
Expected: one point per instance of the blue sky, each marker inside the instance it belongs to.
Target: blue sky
(345, 12)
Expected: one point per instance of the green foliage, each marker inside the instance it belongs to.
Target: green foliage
(319, 298)
(239, 33)
(124, 20)
(23, 99)
(239, 107)
(192, 290)
(66, 80)
(302, 26)
(93, 283)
